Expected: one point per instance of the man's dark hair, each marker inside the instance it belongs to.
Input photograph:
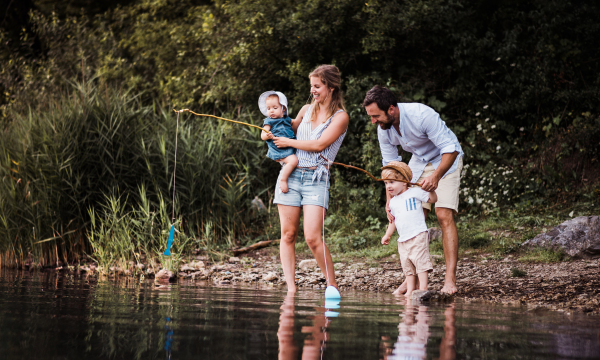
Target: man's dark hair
(382, 96)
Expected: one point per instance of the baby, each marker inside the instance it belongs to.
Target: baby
(409, 220)
(274, 105)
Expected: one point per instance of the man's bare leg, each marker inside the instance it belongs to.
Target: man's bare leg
(450, 242)
(402, 288)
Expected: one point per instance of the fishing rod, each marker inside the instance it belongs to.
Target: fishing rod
(366, 172)
(220, 118)
(263, 129)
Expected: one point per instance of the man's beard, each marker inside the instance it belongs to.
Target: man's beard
(388, 124)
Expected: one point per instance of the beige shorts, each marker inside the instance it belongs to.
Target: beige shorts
(448, 188)
(414, 254)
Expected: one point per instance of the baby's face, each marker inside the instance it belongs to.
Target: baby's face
(394, 187)
(274, 108)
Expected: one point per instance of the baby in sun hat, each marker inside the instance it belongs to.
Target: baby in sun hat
(405, 205)
(274, 105)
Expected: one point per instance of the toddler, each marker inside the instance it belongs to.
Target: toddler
(274, 105)
(409, 220)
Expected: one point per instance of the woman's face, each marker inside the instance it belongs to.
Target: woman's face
(319, 91)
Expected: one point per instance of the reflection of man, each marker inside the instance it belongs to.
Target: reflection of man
(436, 161)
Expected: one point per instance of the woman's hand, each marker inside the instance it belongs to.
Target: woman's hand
(281, 142)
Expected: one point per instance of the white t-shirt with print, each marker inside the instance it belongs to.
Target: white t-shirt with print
(408, 213)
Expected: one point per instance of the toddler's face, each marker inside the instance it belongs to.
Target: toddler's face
(394, 187)
(274, 108)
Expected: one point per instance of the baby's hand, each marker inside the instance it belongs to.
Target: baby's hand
(385, 240)
(270, 136)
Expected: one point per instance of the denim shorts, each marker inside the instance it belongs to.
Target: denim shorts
(303, 191)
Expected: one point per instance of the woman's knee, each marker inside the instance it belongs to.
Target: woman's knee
(313, 241)
(289, 236)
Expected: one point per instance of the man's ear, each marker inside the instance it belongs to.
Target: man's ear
(392, 110)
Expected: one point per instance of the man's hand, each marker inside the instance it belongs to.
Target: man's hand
(390, 217)
(385, 240)
(430, 183)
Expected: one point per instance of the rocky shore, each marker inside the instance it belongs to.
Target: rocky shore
(566, 286)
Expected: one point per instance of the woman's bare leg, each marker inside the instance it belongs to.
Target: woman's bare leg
(289, 217)
(313, 225)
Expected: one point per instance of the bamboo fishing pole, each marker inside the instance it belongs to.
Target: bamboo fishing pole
(220, 118)
(366, 172)
(263, 129)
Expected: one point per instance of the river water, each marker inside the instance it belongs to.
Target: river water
(44, 315)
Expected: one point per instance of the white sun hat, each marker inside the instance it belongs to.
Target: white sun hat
(262, 101)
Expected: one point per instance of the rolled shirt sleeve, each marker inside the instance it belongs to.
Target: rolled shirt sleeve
(437, 131)
(389, 152)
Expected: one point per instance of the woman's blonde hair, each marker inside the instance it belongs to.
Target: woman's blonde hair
(330, 77)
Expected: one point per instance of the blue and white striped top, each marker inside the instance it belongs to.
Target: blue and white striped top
(309, 158)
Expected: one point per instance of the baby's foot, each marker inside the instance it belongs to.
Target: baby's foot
(283, 186)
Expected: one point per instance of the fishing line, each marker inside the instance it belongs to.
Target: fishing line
(175, 168)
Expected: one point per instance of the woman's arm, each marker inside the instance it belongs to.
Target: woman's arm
(338, 126)
(266, 135)
(296, 122)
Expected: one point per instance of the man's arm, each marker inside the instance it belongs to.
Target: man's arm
(430, 183)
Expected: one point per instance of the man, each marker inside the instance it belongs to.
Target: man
(436, 161)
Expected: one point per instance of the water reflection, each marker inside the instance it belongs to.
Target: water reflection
(414, 333)
(316, 335)
(45, 315)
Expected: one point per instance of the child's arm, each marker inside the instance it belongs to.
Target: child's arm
(432, 197)
(266, 135)
(388, 234)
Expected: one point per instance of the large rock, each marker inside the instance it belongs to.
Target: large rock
(307, 264)
(429, 296)
(579, 237)
(164, 277)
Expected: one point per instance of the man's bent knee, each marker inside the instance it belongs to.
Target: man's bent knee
(445, 216)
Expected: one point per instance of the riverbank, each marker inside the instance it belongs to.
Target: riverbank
(569, 286)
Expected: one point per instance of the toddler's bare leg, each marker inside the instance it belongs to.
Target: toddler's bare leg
(411, 283)
(423, 277)
(290, 164)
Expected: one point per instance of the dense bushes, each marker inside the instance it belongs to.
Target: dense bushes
(517, 81)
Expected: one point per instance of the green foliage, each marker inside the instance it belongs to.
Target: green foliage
(515, 272)
(543, 255)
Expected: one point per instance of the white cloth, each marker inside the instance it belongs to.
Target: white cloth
(408, 213)
(422, 133)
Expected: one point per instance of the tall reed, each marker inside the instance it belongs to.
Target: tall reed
(64, 161)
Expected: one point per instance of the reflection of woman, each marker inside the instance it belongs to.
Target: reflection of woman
(320, 129)
(314, 342)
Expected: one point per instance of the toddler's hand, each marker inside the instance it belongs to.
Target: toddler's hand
(385, 240)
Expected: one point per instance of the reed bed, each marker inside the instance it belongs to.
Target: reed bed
(91, 172)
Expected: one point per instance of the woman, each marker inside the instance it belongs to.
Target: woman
(320, 129)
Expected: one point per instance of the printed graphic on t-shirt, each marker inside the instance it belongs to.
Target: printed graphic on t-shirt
(411, 204)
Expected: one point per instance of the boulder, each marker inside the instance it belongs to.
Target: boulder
(307, 264)
(578, 237)
(270, 276)
(197, 264)
(164, 276)
(429, 296)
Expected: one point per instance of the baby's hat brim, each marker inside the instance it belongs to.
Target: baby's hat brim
(262, 101)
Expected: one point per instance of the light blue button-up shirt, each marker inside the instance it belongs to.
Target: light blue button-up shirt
(424, 134)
